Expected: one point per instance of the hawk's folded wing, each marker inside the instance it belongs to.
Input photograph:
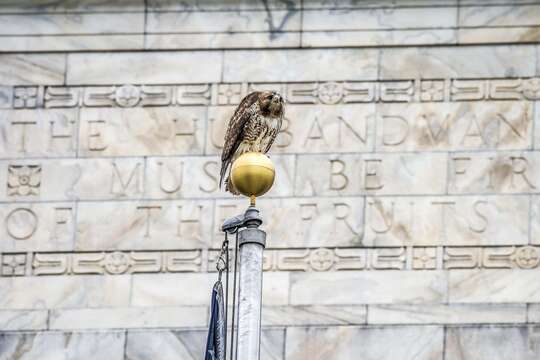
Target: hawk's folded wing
(233, 136)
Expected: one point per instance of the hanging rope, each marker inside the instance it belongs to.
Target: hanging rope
(226, 246)
(234, 319)
(222, 264)
(216, 342)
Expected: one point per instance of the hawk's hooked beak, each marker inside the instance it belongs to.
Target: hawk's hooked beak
(277, 98)
(276, 104)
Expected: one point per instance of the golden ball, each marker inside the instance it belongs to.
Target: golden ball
(253, 174)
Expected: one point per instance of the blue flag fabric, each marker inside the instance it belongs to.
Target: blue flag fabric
(215, 343)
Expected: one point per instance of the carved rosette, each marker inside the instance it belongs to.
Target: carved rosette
(330, 93)
(117, 262)
(24, 180)
(127, 96)
(14, 264)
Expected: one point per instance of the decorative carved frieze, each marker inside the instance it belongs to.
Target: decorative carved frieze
(326, 93)
(322, 259)
(106, 263)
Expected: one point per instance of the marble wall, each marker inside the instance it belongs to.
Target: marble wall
(405, 218)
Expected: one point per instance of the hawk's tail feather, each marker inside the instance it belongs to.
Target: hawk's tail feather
(224, 166)
(229, 186)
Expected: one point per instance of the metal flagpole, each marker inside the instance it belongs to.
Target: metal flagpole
(252, 241)
(253, 175)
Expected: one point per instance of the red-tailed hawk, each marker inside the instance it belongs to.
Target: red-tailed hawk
(253, 128)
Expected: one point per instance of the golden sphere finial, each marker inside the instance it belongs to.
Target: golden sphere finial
(252, 174)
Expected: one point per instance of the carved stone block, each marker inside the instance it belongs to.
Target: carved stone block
(37, 226)
(471, 220)
(308, 128)
(64, 292)
(133, 68)
(75, 345)
(163, 290)
(447, 314)
(460, 62)
(23, 320)
(408, 343)
(32, 69)
(38, 133)
(494, 172)
(486, 343)
(198, 177)
(142, 132)
(129, 317)
(493, 286)
(324, 64)
(143, 225)
(299, 222)
(385, 287)
(360, 174)
(454, 126)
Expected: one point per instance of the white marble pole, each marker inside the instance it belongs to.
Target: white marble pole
(251, 242)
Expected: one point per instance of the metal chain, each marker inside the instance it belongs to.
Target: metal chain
(222, 260)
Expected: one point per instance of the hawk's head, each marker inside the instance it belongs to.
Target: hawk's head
(271, 102)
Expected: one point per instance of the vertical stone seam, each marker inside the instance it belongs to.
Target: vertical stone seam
(530, 219)
(28, 264)
(78, 131)
(145, 180)
(125, 343)
(284, 354)
(301, 42)
(533, 125)
(145, 24)
(444, 342)
(447, 283)
(222, 67)
(206, 128)
(66, 62)
(364, 226)
(289, 293)
(447, 183)
(213, 240)
(537, 47)
(295, 172)
(76, 207)
(533, 143)
(458, 13)
(48, 322)
(131, 278)
(75, 225)
(213, 224)
(366, 320)
(376, 117)
(379, 61)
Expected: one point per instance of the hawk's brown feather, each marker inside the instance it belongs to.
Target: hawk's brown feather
(233, 136)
